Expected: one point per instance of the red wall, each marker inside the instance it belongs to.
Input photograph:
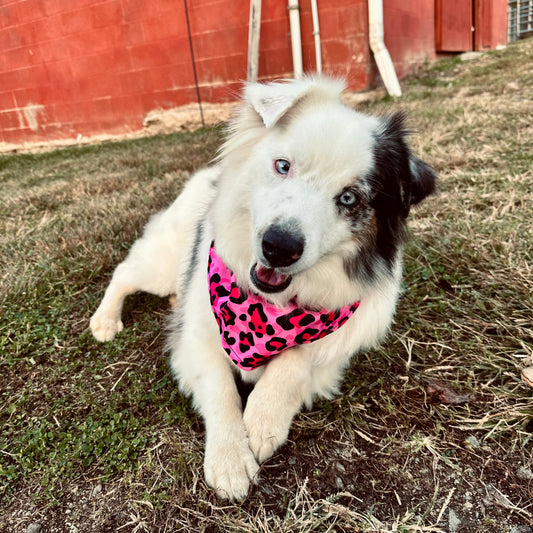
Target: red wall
(463, 25)
(409, 27)
(99, 66)
(102, 65)
(490, 24)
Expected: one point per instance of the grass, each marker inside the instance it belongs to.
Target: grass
(434, 426)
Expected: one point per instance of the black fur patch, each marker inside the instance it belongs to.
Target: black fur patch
(244, 388)
(359, 213)
(398, 180)
(176, 324)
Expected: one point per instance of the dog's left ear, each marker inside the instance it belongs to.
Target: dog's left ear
(423, 181)
(272, 101)
(401, 169)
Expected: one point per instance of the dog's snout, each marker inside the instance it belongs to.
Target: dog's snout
(282, 247)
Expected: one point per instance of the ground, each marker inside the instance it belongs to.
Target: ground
(431, 432)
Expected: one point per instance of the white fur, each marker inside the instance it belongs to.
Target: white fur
(329, 148)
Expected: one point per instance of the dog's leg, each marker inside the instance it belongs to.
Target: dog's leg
(278, 395)
(150, 267)
(153, 262)
(203, 369)
(127, 279)
(106, 322)
(229, 464)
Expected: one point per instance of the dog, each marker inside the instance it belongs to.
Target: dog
(286, 259)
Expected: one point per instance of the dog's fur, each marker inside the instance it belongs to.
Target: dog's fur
(351, 183)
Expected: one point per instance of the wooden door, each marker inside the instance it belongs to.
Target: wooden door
(454, 25)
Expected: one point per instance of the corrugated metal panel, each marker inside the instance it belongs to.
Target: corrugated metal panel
(520, 19)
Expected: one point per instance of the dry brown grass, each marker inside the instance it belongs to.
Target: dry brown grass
(432, 432)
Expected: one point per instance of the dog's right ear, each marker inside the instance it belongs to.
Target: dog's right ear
(264, 105)
(272, 101)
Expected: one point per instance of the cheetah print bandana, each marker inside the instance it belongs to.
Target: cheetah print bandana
(253, 330)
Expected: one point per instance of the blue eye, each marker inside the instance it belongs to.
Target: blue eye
(348, 198)
(282, 166)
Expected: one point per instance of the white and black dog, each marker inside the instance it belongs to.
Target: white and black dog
(286, 258)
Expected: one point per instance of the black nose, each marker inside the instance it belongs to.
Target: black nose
(282, 247)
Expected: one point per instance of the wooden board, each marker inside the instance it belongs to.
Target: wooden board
(454, 25)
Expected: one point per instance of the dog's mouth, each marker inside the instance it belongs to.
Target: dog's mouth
(269, 280)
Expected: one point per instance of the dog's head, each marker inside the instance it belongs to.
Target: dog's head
(322, 180)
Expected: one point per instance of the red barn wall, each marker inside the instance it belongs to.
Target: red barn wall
(93, 66)
(99, 66)
(409, 27)
(490, 24)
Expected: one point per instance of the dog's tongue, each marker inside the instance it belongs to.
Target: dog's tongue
(270, 276)
(269, 280)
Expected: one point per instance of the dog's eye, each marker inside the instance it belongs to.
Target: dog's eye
(282, 166)
(348, 198)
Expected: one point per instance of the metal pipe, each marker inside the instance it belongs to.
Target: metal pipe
(254, 31)
(316, 34)
(377, 44)
(296, 39)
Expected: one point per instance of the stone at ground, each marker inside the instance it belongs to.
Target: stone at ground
(524, 473)
(453, 521)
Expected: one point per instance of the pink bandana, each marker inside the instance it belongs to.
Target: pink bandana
(252, 330)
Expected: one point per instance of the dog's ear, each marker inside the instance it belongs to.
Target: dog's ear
(272, 101)
(399, 168)
(423, 180)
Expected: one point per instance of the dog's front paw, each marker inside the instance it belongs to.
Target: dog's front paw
(105, 328)
(229, 469)
(267, 428)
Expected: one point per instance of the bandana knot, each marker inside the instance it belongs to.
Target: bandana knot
(253, 330)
